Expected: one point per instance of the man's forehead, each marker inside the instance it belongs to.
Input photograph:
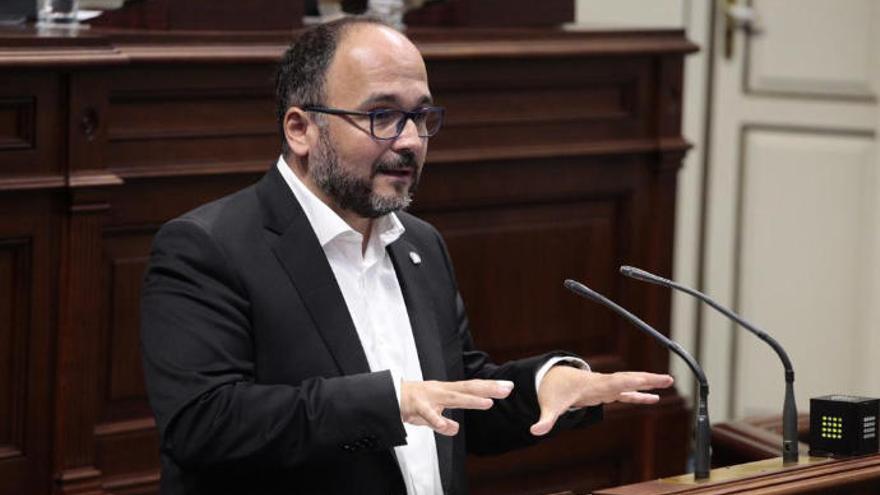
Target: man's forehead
(375, 55)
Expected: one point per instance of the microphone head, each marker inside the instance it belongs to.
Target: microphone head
(586, 292)
(577, 287)
(638, 274)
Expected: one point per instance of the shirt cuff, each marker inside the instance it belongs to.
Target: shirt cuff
(567, 360)
(396, 380)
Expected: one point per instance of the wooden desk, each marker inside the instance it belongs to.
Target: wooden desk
(558, 160)
(813, 476)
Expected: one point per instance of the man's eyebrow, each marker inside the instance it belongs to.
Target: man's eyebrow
(393, 99)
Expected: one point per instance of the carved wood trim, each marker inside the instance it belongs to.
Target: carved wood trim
(14, 340)
(617, 147)
(79, 481)
(105, 47)
(94, 179)
(148, 481)
(128, 426)
(8, 184)
(22, 137)
(78, 346)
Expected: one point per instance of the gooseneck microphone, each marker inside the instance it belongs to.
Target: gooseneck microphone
(789, 408)
(702, 454)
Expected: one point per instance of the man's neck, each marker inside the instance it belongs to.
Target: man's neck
(355, 221)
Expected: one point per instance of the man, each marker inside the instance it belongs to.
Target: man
(304, 335)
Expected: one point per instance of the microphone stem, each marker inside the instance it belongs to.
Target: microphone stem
(789, 410)
(702, 432)
(702, 436)
(789, 424)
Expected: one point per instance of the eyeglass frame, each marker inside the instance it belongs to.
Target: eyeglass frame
(401, 124)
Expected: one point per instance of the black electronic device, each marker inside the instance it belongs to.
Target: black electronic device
(843, 425)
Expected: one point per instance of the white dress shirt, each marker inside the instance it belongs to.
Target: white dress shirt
(375, 302)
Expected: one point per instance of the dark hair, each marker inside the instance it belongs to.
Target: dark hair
(300, 78)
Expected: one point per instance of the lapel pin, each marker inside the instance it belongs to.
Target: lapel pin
(416, 259)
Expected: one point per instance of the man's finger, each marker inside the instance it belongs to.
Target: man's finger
(458, 400)
(637, 380)
(638, 398)
(495, 389)
(437, 422)
(545, 422)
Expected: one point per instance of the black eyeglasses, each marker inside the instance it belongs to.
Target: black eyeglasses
(387, 124)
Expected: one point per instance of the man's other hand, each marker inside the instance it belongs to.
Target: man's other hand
(564, 387)
(422, 403)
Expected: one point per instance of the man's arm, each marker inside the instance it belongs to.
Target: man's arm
(199, 367)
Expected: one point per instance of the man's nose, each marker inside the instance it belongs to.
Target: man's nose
(409, 137)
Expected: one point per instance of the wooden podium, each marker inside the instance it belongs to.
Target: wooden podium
(746, 452)
(813, 475)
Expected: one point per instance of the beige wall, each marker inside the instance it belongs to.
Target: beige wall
(630, 13)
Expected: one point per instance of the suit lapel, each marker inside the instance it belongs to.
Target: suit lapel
(419, 305)
(422, 318)
(300, 253)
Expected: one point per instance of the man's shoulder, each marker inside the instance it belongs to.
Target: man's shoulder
(225, 219)
(232, 212)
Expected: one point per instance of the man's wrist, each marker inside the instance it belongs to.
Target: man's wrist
(557, 361)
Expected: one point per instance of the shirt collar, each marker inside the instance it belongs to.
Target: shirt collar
(327, 224)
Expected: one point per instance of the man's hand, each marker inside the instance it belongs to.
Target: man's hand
(564, 387)
(422, 403)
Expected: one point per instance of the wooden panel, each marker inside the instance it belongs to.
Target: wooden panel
(127, 253)
(127, 454)
(587, 459)
(14, 302)
(17, 123)
(29, 141)
(558, 102)
(525, 253)
(157, 127)
(126, 440)
(27, 261)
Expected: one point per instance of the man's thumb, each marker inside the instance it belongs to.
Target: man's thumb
(545, 423)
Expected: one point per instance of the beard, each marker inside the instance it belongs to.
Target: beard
(353, 193)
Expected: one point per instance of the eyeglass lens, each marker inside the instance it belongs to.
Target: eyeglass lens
(388, 124)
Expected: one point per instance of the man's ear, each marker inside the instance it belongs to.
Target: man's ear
(296, 130)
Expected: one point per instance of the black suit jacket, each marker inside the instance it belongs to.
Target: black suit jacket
(255, 371)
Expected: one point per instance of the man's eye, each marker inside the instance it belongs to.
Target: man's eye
(384, 117)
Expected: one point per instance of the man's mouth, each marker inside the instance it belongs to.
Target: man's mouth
(398, 172)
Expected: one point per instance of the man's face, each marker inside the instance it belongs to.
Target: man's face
(374, 68)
